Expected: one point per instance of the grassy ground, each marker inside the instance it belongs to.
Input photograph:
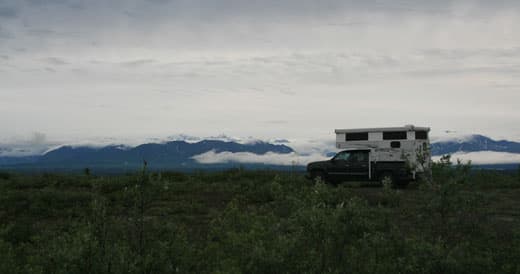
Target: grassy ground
(240, 221)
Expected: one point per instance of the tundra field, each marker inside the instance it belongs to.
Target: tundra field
(240, 221)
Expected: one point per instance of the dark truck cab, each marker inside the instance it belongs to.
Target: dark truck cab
(356, 165)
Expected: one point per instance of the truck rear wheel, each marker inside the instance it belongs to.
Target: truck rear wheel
(387, 177)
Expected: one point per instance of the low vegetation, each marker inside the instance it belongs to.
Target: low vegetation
(240, 221)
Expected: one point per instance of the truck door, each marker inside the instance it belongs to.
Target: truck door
(338, 169)
(357, 166)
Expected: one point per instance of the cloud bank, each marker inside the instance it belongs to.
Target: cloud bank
(295, 158)
(270, 158)
(36, 144)
(212, 157)
(485, 157)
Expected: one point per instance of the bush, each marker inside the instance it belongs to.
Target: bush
(5, 175)
(8, 263)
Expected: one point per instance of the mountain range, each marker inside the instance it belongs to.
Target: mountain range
(473, 143)
(182, 154)
(174, 154)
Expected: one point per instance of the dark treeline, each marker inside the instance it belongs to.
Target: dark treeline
(240, 221)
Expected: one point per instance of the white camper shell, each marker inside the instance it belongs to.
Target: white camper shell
(390, 144)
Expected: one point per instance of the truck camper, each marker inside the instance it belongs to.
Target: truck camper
(395, 154)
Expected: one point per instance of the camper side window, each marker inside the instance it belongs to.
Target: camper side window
(421, 135)
(356, 136)
(394, 135)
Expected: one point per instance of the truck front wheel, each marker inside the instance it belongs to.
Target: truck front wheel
(319, 175)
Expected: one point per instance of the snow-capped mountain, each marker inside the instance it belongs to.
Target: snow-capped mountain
(473, 143)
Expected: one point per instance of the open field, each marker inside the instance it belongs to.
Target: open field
(240, 221)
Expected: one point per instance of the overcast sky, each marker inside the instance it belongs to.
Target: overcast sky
(75, 69)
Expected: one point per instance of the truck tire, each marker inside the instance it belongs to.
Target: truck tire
(319, 174)
(386, 176)
(392, 180)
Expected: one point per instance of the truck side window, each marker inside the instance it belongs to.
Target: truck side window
(342, 156)
(359, 156)
(364, 156)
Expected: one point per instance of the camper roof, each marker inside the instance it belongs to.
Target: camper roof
(380, 129)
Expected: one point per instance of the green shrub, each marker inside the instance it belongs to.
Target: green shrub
(171, 176)
(8, 262)
(5, 175)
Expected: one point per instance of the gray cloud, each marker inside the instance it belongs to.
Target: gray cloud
(49, 34)
(319, 8)
(8, 11)
(48, 2)
(55, 61)
(505, 85)
(472, 53)
(136, 63)
(5, 34)
(266, 68)
(38, 138)
(41, 32)
(159, 1)
(273, 11)
(35, 144)
(278, 122)
(510, 70)
(75, 4)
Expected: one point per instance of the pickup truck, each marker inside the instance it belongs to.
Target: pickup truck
(357, 165)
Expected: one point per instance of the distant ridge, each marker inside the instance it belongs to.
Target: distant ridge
(166, 155)
(473, 143)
